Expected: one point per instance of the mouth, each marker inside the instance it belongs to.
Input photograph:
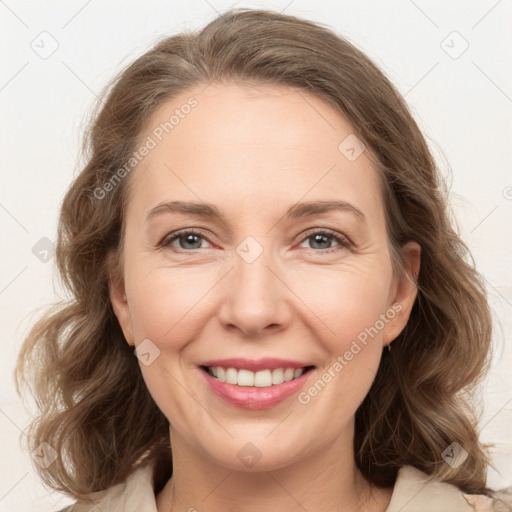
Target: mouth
(260, 379)
(255, 384)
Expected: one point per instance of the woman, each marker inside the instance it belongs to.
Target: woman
(264, 377)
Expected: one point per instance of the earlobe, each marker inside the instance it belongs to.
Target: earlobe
(406, 291)
(118, 298)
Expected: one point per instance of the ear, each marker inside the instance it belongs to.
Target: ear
(405, 292)
(118, 297)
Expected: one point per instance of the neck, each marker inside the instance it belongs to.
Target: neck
(325, 480)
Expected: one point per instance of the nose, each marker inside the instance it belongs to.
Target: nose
(256, 299)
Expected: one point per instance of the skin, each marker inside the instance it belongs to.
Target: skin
(254, 152)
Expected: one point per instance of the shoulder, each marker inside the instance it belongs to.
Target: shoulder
(135, 494)
(416, 491)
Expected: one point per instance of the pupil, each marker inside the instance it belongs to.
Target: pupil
(318, 239)
(190, 239)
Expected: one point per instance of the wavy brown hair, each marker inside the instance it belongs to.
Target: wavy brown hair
(95, 409)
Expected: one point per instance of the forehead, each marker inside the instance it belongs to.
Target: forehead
(252, 146)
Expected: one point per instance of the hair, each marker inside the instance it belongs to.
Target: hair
(94, 407)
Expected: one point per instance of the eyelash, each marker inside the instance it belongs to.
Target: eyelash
(342, 241)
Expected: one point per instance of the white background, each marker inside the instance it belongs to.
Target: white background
(463, 105)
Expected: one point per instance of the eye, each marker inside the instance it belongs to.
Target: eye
(323, 238)
(188, 239)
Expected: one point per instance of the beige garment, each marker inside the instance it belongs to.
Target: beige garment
(414, 491)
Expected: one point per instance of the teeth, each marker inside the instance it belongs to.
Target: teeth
(231, 376)
(245, 378)
(263, 379)
(288, 374)
(260, 379)
(277, 376)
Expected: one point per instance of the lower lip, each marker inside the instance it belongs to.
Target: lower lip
(251, 397)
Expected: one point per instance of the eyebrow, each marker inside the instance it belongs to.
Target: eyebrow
(299, 210)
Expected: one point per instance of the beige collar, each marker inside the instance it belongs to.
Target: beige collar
(414, 491)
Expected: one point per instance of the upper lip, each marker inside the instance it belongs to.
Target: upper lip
(265, 363)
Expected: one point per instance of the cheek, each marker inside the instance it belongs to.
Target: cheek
(349, 304)
(346, 300)
(169, 304)
(165, 301)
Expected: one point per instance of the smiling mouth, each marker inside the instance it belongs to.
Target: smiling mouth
(260, 379)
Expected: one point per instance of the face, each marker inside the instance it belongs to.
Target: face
(242, 281)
